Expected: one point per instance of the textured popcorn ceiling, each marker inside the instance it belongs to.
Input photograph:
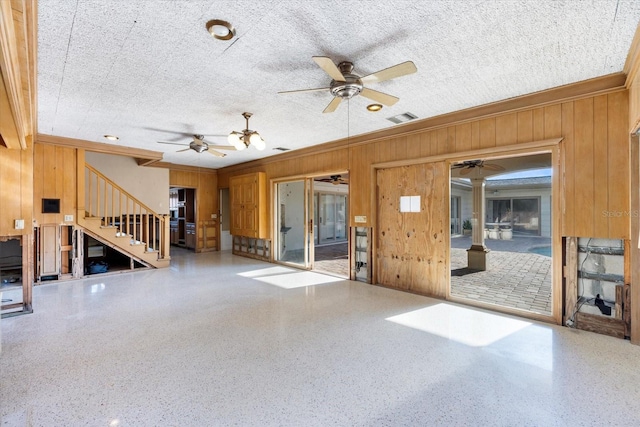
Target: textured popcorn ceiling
(147, 70)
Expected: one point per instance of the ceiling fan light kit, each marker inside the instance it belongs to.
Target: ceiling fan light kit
(242, 140)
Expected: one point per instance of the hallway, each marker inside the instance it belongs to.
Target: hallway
(218, 339)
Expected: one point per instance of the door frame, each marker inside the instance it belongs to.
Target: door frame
(309, 219)
(552, 146)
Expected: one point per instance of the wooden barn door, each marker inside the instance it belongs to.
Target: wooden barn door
(412, 250)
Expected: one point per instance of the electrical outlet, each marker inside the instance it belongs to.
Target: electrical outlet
(19, 224)
(68, 218)
(214, 216)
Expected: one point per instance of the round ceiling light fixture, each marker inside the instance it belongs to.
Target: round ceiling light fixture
(111, 137)
(221, 30)
(374, 107)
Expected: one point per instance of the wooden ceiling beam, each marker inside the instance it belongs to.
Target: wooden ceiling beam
(15, 28)
(143, 157)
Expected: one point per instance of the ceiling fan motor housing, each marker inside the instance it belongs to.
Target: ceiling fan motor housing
(198, 147)
(352, 85)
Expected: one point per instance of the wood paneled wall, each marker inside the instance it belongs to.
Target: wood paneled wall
(635, 240)
(16, 190)
(595, 146)
(632, 69)
(54, 177)
(412, 248)
(205, 182)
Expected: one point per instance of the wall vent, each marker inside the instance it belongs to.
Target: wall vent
(402, 118)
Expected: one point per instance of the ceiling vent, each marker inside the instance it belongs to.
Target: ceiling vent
(402, 118)
(282, 149)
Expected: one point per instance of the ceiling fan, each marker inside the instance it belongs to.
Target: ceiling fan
(346, 84)
(199, 145)
(468, 165)
(335, 180)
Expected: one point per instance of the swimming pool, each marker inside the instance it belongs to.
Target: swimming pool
(541, 250)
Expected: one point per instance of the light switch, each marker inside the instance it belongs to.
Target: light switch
(19, 224)
(68, 218)
(360, 219)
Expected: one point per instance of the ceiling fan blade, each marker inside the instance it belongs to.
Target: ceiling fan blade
(215, 153)
(333, 105)
(304, 90)
(171, 143)
(465, 171)
(493, 167)
(223, 147)
(380, 97)
(329, 67)
(390, 73)
(185, 149)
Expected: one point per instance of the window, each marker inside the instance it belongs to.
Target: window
(522, 213)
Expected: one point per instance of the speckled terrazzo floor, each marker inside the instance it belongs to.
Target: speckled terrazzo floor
(220, 340)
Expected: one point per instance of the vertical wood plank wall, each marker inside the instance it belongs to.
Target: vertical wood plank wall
(206, 184)
(16, 190)
(54, 177)
(412, 247)
(633, 85)
(635, 240)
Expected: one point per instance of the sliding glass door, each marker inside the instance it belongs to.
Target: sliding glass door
(331, 216)
(294, 223)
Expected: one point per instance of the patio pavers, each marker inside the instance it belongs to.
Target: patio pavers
(516, 277)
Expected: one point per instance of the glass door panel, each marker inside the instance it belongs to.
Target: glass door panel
(327, 218)
(456, 217)
(341, 217)
(316, 215)
(293, 220)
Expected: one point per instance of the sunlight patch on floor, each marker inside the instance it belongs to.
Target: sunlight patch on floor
(269, 271)
(300, 279)
(467, 326)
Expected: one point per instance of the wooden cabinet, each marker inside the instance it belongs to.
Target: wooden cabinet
(173, 232)
(249, 205)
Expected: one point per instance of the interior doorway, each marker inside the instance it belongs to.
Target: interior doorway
(331, 237)
(226, 240)
(182, 220)
(506, 207)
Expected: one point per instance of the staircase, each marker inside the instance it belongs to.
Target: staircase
(115, 217)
